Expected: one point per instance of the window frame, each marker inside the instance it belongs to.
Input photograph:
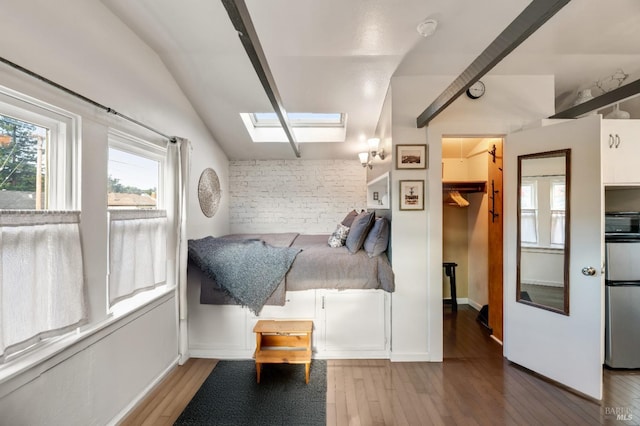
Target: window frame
(136, 146)
(542, 194)
(298, 122)
(63, 151)
(533, 183)
(552, 210)
(63, 192)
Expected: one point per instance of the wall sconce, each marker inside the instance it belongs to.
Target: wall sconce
(374, 151)
(364, 160)
(374, 144)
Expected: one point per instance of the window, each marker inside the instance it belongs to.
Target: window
(38, 170)
(529, 213)
(137, 224)
(23, 164)
(557, 212)
(135, 173)
(305, 126)
(298, 119)
(542, 219)
(42, 292)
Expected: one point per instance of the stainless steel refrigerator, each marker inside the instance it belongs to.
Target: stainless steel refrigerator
(622, 302)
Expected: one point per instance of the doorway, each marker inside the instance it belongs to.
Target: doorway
(472, 227)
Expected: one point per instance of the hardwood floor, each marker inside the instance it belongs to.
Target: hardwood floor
(474, 385)
(165, 403)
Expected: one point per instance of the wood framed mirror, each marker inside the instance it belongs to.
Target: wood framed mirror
(544, 230)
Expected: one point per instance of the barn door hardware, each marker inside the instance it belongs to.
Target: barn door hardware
(494, 191)
(492, 152)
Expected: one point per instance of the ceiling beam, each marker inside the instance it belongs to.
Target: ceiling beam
(526, 23)
(623, 92)
(239, 15)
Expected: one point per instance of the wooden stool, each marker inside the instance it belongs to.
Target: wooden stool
(283, 342)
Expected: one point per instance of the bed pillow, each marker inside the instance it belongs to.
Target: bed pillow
(348, 219)
(359, 230)
(378, 238)
(339, 236)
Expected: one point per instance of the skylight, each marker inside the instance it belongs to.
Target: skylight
(305, 126)
(299, 119)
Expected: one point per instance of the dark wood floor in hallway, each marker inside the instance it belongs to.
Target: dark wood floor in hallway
(474, 385)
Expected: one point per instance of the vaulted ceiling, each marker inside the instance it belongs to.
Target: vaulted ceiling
(340, 55)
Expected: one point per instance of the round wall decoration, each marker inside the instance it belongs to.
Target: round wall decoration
(209, 192)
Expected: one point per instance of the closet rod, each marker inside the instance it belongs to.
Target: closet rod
(37, 76)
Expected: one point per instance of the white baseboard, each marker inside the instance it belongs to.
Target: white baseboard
(129, 408)
(221, 353)
(475, 305)
(243, 354)
(352, 355)
(461, 300)
(183, 358)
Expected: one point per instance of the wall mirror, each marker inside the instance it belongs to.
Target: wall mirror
(543, 230)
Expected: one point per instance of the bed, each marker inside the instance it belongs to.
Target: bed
(314, 264)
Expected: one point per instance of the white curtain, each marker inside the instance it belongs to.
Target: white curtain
(137, 252)
(557, 227)
(529, 226)
(179, 162)
(42, 291)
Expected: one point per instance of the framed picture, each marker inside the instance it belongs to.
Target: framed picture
(411, 156)
(411, 195)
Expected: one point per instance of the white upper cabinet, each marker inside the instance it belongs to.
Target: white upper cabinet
(620, 152)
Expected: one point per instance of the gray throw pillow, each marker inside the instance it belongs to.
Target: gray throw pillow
(378, 239)
(359, 230)
(348, 219)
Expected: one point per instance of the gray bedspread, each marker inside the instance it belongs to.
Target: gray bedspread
(321, 266)
(316, 266)
(248, 270)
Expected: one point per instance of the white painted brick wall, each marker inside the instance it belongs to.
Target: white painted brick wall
(305, 196)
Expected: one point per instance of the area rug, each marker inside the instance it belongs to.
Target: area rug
(231, 396)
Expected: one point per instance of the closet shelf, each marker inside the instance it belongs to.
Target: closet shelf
(465, 186)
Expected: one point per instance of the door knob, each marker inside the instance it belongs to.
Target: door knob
(589, 271)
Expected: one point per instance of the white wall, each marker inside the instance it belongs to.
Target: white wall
(305, 196)
(84, 47)
(542, 267)
(510, 103)
(384, 130)
(100, 378)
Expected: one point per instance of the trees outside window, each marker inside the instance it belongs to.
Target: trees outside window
(23, 164)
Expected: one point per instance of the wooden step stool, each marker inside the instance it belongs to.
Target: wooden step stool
(283, 342)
